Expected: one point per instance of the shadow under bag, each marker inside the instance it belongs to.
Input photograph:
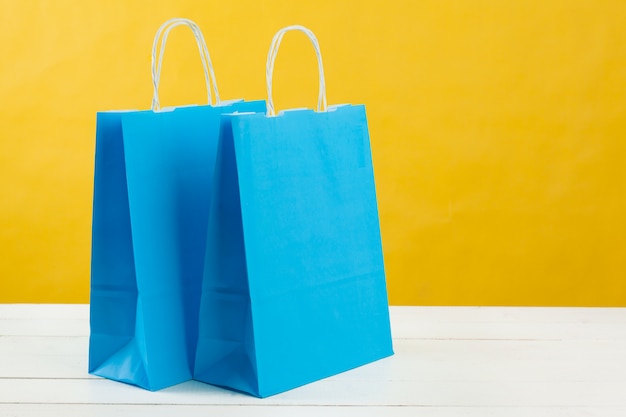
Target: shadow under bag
(294, 282)
(153, 178)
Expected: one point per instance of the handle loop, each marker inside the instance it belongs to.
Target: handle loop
(157, 59)
(271, 58)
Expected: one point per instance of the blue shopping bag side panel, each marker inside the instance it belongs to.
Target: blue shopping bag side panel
(116, 336)
(165, 175)
(225, 354)
(173, 155)
(313, 245)
(170, 158)
(113, 296)
(170, 180)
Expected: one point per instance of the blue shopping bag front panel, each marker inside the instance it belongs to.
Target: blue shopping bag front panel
(308, 180)
(312, 244)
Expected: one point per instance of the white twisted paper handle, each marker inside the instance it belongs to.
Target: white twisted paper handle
(157, 59)
(271, 58)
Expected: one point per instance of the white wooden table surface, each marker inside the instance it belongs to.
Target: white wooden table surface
(450, 361)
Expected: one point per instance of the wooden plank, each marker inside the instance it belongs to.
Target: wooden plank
(510, 331)
(332, 391)
(43, 345)
(44, 327)
(44, 311)
(398, 313)
(510, 323)
(411, 323)
(108, 410)
(508, 314)
(418, 360)
(409, 330)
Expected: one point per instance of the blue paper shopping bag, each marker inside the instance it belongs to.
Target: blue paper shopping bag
(152, 188)
(294, 282)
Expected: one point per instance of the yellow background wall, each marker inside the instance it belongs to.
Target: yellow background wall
(498, 131)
